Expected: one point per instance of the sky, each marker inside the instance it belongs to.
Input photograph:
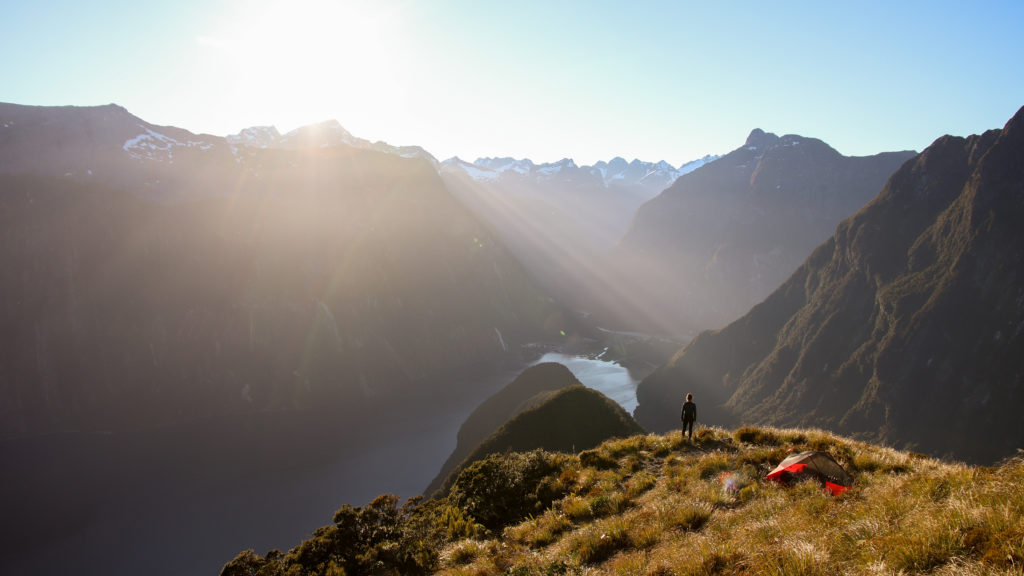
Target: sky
(589, 80)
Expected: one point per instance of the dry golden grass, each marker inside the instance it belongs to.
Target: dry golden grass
(659, 506)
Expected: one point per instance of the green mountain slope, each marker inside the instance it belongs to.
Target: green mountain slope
(529, 389)
(568, 420)
(906, 327)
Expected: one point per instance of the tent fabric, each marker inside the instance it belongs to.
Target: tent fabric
(811, 464)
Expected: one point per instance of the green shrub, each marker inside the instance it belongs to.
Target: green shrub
(505, 488)
(247, 563)
(455, 524)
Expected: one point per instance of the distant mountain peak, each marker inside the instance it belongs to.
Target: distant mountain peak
(617, 171)
(256, 137)
(760, 139)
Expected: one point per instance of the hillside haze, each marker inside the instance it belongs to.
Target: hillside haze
(562, 220)
(176, 309)
(724, 236)
(331, 274)
(904, 327)
(243, 333)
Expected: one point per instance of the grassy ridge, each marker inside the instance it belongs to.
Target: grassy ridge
(662, 506)
(659, 505)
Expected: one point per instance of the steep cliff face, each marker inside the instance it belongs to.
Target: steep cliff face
(907, 326)
(726, 235)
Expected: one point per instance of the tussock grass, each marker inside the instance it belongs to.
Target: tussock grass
(660, 505)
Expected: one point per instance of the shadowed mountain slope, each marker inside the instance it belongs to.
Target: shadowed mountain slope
(726, 235)
(562, 220)
(569, 420)
(263, 279)
(530, 388)
(907, 326)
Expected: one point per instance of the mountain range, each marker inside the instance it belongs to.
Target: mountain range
(189, 322)
(562, 220)
(722, 238)
(905, 327)
(313, 273)
(175, 309)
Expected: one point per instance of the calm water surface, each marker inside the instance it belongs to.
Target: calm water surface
(609, 378)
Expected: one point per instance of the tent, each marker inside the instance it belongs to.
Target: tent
(818, 465)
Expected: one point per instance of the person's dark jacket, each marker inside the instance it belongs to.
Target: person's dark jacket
(689, 412)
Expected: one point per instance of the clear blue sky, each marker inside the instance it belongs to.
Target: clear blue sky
(545, 80)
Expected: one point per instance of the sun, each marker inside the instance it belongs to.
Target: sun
(304, 61)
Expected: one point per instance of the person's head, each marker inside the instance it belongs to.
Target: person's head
(689, 397)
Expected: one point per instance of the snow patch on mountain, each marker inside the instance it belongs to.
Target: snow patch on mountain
(480, 174)
(553, 168)
(694, 164)
(153, 145)
(256, 137)
(329, 134)
(617, 171)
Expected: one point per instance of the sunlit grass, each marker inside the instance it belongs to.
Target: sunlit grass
(668, 507)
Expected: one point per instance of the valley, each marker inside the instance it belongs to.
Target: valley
(218, 341)
(214, 487)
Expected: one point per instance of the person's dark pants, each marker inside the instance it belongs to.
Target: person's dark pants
(690, 424)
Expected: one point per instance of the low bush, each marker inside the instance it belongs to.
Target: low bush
(505, 488)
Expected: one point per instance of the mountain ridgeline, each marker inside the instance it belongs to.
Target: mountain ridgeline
(314, 276)
(190, 324)
(562, 220)
(907, 326)
(722, 237)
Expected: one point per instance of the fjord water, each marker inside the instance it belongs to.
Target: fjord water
(609, 378)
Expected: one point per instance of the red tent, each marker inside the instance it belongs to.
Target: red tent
(818, 465)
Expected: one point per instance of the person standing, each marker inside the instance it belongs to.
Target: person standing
(689, 415)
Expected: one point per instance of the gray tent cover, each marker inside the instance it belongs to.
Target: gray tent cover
(818, 465)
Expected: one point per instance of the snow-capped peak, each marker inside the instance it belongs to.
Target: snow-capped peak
(694, 164)
(501, 165)
(153, 145)
(326, 134)
(617, 171)
(554, 168)
(256, 137)
(478, 173)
